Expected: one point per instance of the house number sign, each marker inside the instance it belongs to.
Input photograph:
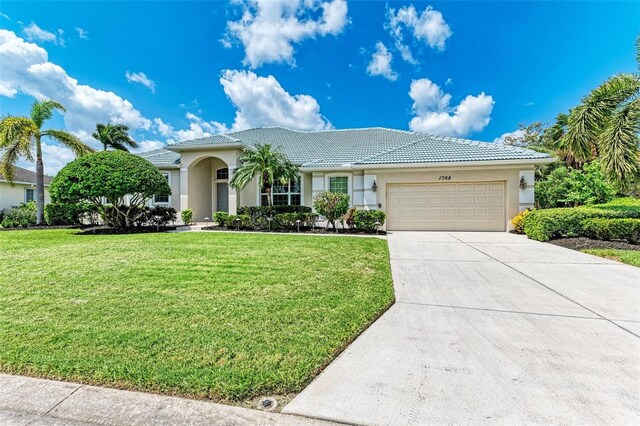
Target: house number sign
(444, 178)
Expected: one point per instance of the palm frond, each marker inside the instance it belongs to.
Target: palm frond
(115, 136)
(619, 145)
(42, 111)
(587, 121)
(69, 140)
(10, 156)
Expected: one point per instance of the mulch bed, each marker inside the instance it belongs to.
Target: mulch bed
(303, 230)
(582, 243)
(41, 228)
(107, 230)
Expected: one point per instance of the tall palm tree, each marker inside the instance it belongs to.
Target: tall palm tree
(20, 136)
(115, 136)
(606, 126)
(270, 165)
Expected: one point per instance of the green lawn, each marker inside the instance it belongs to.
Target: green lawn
(632, 257)
(210, 315)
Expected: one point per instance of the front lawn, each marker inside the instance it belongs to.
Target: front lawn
(210, 315)
(632, 257)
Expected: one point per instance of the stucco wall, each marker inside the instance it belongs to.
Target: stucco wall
(14, 195)
(363, 196)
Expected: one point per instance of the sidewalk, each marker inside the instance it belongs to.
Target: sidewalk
(28, 401)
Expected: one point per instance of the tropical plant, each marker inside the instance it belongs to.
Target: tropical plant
(331, 205)
(568, 187)
(270, 165)
(187, 216)
(605, 126)
(19, 216)
(114, 136)
(117, 183)
(21, 136)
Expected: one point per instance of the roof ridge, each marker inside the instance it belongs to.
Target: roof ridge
(387, 151)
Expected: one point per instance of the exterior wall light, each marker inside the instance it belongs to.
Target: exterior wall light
(374, 187)
(523, 183)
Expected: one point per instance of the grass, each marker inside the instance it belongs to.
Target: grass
(227, 317)
(632, 257)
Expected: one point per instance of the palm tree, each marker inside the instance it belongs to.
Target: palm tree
(606, 126)
(115, 136)
(20, 136)
(269, 165)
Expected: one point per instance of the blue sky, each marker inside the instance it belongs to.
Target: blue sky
(176, 70)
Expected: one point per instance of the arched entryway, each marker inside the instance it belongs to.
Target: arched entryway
(209, 187)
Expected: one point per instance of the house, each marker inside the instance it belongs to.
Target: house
(23, 189)
(422, 182)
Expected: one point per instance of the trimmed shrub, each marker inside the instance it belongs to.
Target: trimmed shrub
(19, 216)
(160, 216)
(220, 218)
(331, 205)
(365, 220)
(518, 221)
(66, 214)
(186, 215)
(542, 225)
(239, 221)
(288, 220)
(118, 183)
(259, 214)
(612, 229)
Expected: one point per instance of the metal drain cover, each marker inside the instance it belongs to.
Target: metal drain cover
(267, 404)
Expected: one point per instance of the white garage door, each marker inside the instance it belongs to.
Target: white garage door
(473, 206)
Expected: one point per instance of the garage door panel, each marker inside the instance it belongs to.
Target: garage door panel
(477, 206)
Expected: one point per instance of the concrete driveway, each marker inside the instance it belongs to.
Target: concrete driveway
(491, 327)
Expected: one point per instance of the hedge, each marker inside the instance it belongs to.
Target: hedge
(66, 214)
(368, 220)
(545, 224)
(612, 229)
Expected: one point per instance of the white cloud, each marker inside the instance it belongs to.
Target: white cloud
(82, 34)
(35, 33)
(141, 78)
(26, 69)
(55, 158)
(381, 63)
(433, 114)
(449, 82)
(261, 102)
(163, 128)
(427, 27)
(199, 128)
(149, 145)
(268, 29)
(505, 137)
(5, 16)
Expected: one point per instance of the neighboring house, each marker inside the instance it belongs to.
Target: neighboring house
(422, 182)
(23, 189)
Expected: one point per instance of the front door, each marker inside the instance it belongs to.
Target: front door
(222, 197)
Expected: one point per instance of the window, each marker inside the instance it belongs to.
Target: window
(29, 195)
(162, 199)
(288, 194)
(222, 174)
(339, 184)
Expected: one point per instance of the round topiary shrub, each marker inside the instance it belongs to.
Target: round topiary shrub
(117, 183)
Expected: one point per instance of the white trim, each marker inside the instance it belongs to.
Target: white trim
(461, 164)
(168, 203)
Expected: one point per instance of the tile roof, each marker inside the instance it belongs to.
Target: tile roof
(161, 157)
(367, 146)
(26, 176)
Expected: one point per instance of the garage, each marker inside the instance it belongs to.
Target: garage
(459, 206)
